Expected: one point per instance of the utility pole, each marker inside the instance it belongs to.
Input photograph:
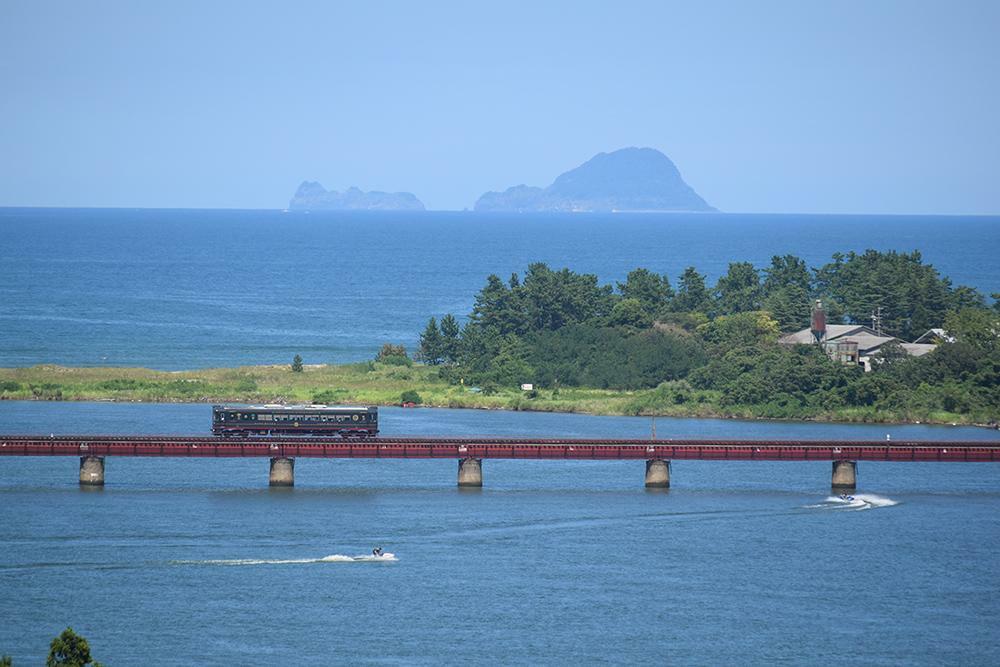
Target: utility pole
(877, 320)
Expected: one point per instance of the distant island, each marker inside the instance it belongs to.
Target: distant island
(629, 179)
(311, 196)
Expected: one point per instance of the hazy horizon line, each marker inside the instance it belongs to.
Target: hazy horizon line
(496, 213)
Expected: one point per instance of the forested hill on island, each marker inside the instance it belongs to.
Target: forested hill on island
(629, 179)
(311, 196)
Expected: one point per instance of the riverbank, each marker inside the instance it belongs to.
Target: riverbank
(385, 384)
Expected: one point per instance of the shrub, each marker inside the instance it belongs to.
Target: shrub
(390, 350)
(47, 391)
(410, 396)
(329, 396)
(245, 386)
(393, 355)
(121, 384)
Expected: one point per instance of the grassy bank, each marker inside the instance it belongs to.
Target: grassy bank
(383, 384)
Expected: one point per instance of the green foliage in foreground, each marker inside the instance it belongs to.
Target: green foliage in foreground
(70, 650)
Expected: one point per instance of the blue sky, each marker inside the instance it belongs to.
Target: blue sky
(874, 106)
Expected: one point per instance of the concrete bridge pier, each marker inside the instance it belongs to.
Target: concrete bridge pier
(657, 474)
(91, 471)
(470, 472)
(282, 471)
(845, 475)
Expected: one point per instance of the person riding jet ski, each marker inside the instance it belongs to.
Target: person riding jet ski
(377, 552)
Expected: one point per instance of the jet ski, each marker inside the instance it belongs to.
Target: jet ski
(847, 498)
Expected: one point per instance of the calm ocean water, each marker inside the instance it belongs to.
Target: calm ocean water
(176, 289)
(183, 562)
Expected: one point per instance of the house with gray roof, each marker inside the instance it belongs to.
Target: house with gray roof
(856, 344)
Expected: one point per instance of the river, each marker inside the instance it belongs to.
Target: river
(179, 561)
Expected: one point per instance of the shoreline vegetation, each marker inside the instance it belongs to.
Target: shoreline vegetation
(387, 384)
(559, 341)
(751, 346)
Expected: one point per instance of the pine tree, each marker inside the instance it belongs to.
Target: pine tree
(651, 290)
(297, 364)
(70, 650)
(739, 290)
(431, 344)
(786, 288)
(450, 341)
(692, 295)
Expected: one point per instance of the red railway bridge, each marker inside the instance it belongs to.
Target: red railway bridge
(470, 451)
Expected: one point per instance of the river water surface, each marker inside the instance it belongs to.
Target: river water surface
(186, 562)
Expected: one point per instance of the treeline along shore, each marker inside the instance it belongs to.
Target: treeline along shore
(900, 344)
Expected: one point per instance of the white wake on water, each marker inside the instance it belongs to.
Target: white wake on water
(333, 558)
(855, 502)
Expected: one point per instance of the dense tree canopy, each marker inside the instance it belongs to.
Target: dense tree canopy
(651, 291)
(911, 295)
(739, 290)
(560, 328)
(787, 290)
(692, 294)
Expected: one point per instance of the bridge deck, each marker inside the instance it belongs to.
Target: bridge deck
(494, 448)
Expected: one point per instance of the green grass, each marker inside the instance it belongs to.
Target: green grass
(374, 383)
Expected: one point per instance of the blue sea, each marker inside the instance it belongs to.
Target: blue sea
(185, 562)
(176, 289)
